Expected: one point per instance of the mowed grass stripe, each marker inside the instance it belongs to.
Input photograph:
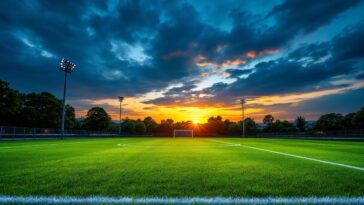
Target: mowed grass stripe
(178, 169)
(58, 142)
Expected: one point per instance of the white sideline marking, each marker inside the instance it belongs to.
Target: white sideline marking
(298, 156)
(182, 200)
(307, 158)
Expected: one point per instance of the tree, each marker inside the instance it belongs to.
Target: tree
(128, 126)
(114, 127)
(300, 123)
(166, 126)
(41, 110)
(348, 121)
(33, 109)
(268, 120)
(250, 125)
(150, 124)
(97, 119)
(329, 122)
(234, 128)
(358, 119)
(216, 125)
(285, 126)
(280, 126)
(140, 127)
(10, 104)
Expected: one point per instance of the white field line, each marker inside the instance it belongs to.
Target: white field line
(182, 200)
(174, 146)
(298, 156)
(223, 142)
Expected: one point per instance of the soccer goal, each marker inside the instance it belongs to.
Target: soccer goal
(182, 133)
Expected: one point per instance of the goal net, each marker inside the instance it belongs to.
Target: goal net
(182, 133)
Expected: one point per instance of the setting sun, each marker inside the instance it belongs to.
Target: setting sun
(195, 121)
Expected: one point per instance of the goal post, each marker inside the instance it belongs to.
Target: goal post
(182, 133)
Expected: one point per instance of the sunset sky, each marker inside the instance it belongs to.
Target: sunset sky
(189, 60)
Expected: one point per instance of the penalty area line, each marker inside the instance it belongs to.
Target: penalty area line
(177, 200)
(228, 143)
(306, 158)
(297, 156)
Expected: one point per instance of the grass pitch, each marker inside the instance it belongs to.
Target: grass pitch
(165, 167)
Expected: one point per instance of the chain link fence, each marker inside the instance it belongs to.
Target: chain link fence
(28, 132)
(14, 132)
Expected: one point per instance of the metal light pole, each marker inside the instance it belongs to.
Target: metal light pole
(242, 101)
(67, 67)
(120, 100)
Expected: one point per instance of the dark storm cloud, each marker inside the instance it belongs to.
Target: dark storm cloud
(179, 90)
(292, 19)
(308, 68)
(236, 73)
(133, 47)
(86, 33)
(348, 45)
(360, 76)
(350, 101)
(307, 15)
(305, 68)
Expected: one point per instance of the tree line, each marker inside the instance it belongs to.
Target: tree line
(44, 110)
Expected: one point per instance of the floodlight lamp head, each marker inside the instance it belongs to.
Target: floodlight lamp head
(121, 99)
(67, 66)
(242, 101)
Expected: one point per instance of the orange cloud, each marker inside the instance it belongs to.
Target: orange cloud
(174, 54)
(203, 64)
(272, 51)
(225, 64)
(230, 63)
(251, 54)
(199, 57)
(204, 74)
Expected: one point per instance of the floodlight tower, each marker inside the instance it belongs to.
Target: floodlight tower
(67, 67)
(120, 100)
(242, 101)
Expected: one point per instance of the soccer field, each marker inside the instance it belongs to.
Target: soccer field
(183, 167)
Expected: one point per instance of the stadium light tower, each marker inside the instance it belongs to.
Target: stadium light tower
(120, 100)
(67, 67)
(242, 101)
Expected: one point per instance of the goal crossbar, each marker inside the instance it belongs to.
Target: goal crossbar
(182, 133)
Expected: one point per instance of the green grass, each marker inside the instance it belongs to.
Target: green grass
(179, 167)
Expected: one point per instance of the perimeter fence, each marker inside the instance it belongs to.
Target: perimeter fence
(31, 132)
(28, 132)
